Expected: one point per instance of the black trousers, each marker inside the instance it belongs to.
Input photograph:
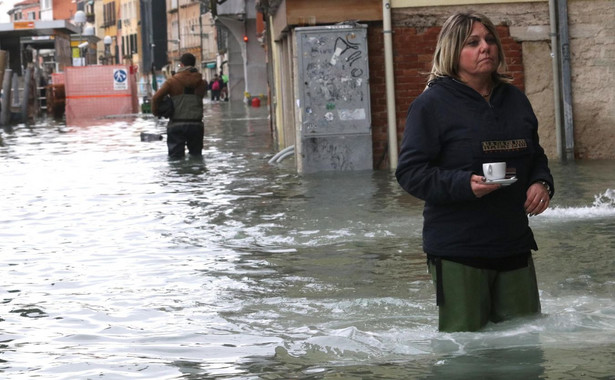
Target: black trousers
(180, 135)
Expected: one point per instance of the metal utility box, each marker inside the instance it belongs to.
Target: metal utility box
(334, 123)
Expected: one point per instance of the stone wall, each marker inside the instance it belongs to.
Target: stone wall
(592, 45)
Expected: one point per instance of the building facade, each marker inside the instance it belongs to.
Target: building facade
(28, 10)
(107, 26)
(63, 9)
(184, 30)
(239, 41)
(151, 36)
(525, 30)
(130, 34)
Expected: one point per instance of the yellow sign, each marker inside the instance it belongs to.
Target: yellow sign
(23, 25)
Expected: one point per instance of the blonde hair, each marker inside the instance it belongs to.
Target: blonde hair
(455, 31)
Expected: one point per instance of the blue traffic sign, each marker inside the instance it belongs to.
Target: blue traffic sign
(120, 75)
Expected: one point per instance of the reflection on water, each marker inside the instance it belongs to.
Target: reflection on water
(120, 263)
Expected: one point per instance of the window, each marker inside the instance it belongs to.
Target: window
(109, 14)
(134, 47)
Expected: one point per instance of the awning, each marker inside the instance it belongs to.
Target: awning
(36, 28)
(210, 65)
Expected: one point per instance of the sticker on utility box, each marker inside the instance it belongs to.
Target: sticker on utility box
(120, 79)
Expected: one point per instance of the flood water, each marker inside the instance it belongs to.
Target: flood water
(117, 263)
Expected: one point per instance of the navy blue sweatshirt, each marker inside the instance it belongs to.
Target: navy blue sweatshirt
(450, 132)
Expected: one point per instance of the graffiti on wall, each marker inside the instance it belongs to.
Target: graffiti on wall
(335, 81)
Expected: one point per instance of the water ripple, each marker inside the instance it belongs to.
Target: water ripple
(120, 263)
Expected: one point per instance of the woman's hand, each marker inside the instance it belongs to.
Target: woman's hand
(537, 199)
(480, 188)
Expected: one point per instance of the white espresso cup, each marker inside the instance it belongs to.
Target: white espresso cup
(494, 170)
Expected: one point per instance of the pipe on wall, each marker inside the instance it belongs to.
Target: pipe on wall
(389, 81)
(555, 61)
(564, 41)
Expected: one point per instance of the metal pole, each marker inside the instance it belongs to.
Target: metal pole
(152, 45)
(244, 52)
(566, 83)
(81, 63)
(557, 99)
(390, 83)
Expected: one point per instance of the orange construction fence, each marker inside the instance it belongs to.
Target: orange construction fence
(93, 92)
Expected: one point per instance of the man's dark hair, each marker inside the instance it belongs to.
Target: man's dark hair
(188, 59)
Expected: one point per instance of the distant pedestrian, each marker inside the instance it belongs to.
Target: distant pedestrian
(216, 87)
(224, 91)
(187, 89)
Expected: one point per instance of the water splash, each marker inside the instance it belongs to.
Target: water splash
(602, 207)
(605, 200)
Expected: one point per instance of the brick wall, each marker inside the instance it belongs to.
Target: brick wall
(377, 90)
(412, 54)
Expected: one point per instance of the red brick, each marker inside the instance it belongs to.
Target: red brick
(413, 52)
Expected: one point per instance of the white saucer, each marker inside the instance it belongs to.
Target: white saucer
(503, 181)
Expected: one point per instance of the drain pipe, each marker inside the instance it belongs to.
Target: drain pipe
(289, 150)
(389, 80)
(285, 155)
(555, 61)
(564, 40)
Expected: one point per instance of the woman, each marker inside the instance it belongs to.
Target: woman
(476, 234)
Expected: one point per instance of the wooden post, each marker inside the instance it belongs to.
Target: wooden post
(15, 84)
(25, 101)
(36, 101)
(3, 59)
(5, 113)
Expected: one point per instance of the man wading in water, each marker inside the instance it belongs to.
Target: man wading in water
(186, 89)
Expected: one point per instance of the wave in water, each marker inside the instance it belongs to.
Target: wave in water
(602, 207)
